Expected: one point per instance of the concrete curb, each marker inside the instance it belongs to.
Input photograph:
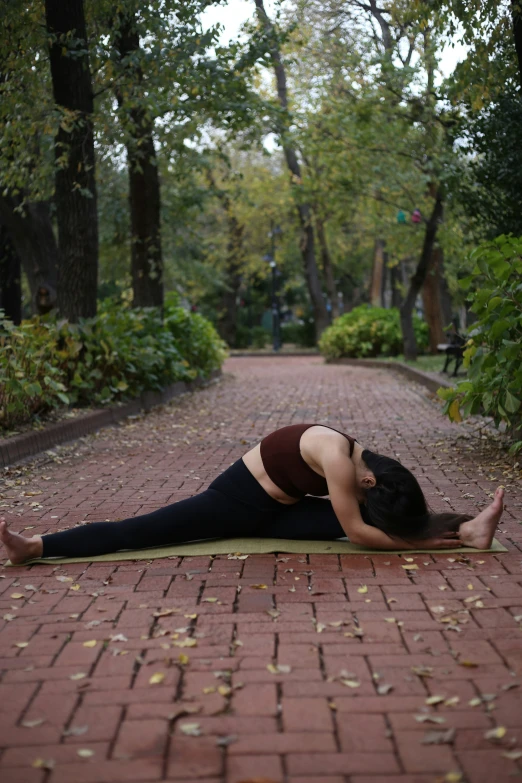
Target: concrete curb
(30, 443)
(411, 373)
(271, 355)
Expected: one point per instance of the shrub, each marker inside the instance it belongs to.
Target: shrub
(368, 331)
(494, 350)
(299, 333)
(118, 354)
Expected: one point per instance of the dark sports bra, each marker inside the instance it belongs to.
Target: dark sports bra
(286, 467)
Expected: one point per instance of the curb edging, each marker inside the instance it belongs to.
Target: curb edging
(30, 443)
(410, 372)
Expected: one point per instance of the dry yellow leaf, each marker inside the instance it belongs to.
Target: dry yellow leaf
(191, 729)
(157, 678)
(210, 600)
(411, 567)
(78, 676)
(186, 643)
(209, 689)
(183, 659)
(21, 644)
(435, 700)
(90, 643)
(362, 589)
(453, 777)
(224, 690)
(85, 753)
(351, 683)
(259, 587)
(75, 587)
(17, 595)
(190, 616)
(495, 734)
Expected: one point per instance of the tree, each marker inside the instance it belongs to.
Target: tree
(75, 186)
(144, 184)
(10, 278)
(304, 211)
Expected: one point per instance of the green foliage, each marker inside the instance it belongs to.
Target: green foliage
(259, 337)
(299, 333)
(368, 331)
(494, 352)
(121, 352)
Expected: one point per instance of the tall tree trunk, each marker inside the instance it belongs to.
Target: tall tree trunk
(227, 319)
(395, 279)
(10, 277)
(31, 232)
(378, 273)
(307, 244)
(418, 277)
(144, 182)
(516, 13)
(74, 152)
(326, 261)
(432, 301)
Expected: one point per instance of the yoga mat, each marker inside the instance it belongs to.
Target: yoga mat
(256, 546)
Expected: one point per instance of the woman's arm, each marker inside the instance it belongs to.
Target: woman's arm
(340, 476)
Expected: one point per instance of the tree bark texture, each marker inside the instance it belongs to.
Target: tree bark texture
(144, 182)
(31, 232)
(431, 298)
(74, 153)
(307, 243)
(328, 271)
(10, 278)
(418, 277)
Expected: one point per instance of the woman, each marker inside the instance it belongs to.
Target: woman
(374, 501)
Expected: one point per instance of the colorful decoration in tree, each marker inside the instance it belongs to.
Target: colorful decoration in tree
(401, 217)
(416, 216)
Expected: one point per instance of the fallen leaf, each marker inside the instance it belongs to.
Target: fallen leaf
(382, 690)
(210, 600)
(191, 729)
(118, 637)
(434, 700)
(64, 578)
(351, 683)
(78, 676)
(274, 613)
(157, 678)
(75, 588)
(258, 587)
(85, 753)
(17, 595)
(224, 690)
(439, 737)
(9, 617)
(186, 643)
(495, 734)
(279, 668)
(332, 705)
(453, 777)
(468, 664)
(422, 671)
(363, 589)
(224, 742)
(75, 731)
(291, 590)
(91, 643)
(31, 724)
(429, 718)
(21, 644)
(190, 616)
(452, 701)
(410, 567)
(209, 689)
(512, 755)
(183, 659)
(164, 612)
(43, 764)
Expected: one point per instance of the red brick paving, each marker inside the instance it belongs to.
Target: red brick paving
(89, 712)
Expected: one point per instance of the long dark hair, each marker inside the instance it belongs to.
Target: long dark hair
(397, 506)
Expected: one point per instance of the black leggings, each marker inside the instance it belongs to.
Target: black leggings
(234, 505)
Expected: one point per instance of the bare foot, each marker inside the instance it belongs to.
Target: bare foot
(479, 532)
(19, 548)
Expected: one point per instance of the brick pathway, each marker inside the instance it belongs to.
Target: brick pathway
(380, 656)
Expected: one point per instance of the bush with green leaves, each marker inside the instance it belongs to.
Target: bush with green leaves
(368, 331)
(45, 363)
(494, 351)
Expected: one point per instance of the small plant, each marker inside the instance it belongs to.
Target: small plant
(368, 331)
(45, 363)
(494, 350)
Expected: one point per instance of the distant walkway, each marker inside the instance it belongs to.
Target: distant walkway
(393, 669)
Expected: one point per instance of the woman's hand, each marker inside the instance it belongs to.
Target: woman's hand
(448, 540)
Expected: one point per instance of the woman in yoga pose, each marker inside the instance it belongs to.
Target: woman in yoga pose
(374, 501)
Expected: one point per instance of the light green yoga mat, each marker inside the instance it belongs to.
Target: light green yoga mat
(257, 546)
